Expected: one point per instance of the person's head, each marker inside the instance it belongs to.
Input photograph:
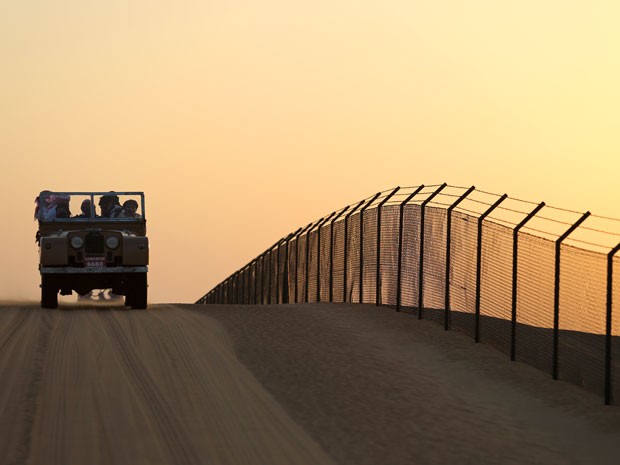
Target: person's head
(107, 202)
(42, 197)
(131, 207)
(40, 201)
(85, 207)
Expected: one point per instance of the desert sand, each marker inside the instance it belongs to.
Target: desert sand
(287, 384)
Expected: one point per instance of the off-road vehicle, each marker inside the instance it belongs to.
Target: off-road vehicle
(92, 240)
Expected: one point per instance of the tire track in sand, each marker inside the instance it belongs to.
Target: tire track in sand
(85, 385)
(171, 430)
(28, 405)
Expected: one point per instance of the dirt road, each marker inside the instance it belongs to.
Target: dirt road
(307, 384)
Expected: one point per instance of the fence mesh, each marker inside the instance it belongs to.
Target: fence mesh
(535, 290)
(462, 280)
(369, 244)
(615, 331)
(338, 262)
(325, 263)
(349, 261)
(434, 271)
(410, 256)
(312, 266)
(302, 247)
(353, 259)
(388, 270)
(496, 285)
(292, 269)
(582, 317)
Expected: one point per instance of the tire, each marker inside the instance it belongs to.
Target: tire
(49, 293)
(138, 294)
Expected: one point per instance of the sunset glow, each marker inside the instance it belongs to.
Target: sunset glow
(242, 121)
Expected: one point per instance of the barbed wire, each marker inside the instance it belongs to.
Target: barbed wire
(600, 231)
(605, 218)
(427, 190)
(581, 241)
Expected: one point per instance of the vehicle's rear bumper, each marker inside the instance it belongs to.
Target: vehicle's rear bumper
(93, 270)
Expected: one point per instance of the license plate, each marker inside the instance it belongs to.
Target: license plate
(94, 262)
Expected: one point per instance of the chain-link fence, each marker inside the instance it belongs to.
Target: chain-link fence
(540, 283)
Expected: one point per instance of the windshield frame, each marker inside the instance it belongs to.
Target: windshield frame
(93, 218)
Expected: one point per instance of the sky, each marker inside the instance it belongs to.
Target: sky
(243, 120)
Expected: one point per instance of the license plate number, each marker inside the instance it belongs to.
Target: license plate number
(94, 262)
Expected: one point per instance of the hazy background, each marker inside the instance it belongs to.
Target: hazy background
(243, 120)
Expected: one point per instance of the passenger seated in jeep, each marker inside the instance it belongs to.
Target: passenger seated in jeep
(62, 211)
(129, 210)
(110, 205)
(85, 207)
(47, 205)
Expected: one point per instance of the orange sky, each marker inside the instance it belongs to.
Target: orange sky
(244, 120)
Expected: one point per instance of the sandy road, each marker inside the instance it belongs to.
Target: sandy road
(110, 386)
(320, 384)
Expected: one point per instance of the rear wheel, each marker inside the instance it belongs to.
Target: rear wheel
(137, 296)
(49, 292)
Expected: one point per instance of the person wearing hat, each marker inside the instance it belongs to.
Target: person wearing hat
(110, 205)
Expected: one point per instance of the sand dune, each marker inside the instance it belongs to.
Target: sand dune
(289, 384)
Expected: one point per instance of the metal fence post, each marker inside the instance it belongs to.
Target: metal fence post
(515, 256)
(400, 246)
(256, 280)
(262, 278)
(241, 285)
(318, 257)
(421, 269)
(306, 291)
(269, 277)
(346, 247)
(361, 289)
(331, 253)
(479, 263)
(277, 276)
(236, 288)
(608, 321)
(378, 273)
(242, 274)
(556, 291)
(447, 314)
